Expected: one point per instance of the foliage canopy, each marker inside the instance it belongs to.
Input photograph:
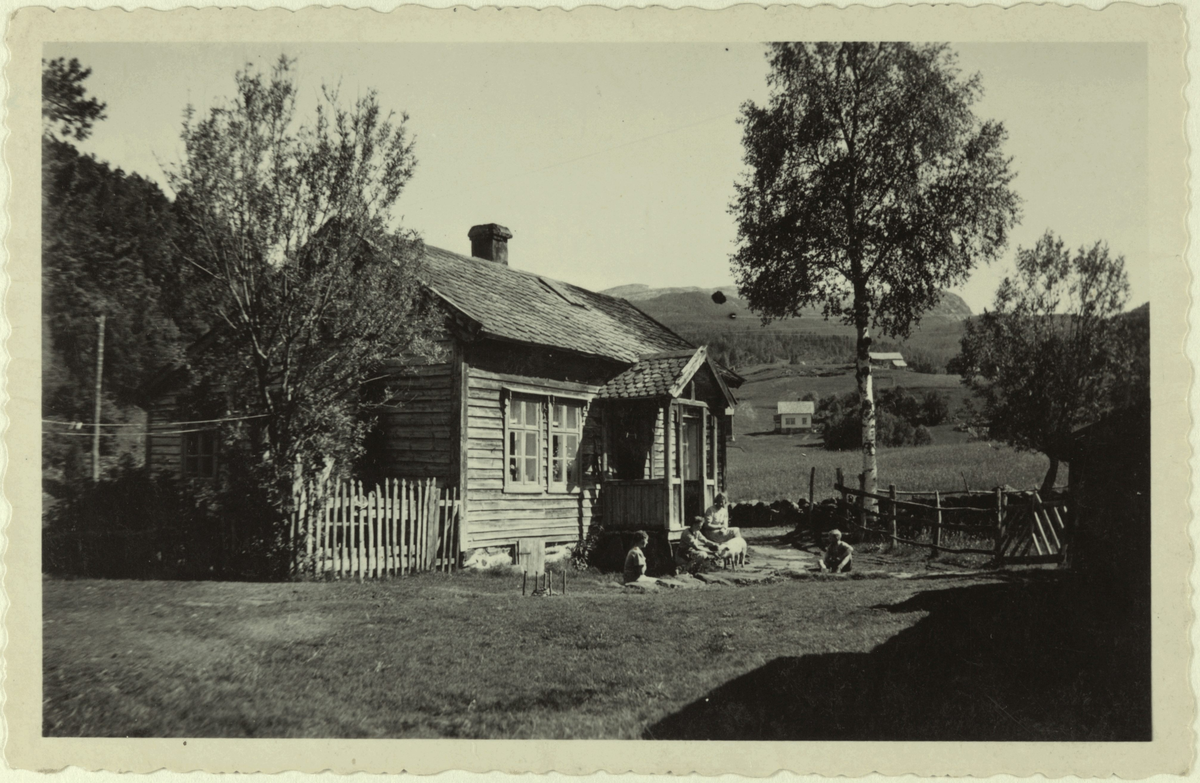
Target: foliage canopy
(293, 256)
(1054, 353)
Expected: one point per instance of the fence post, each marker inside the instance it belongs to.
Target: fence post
(999, 556)
(812, 511)
(937, 525)
(892, 515)
(862, 503)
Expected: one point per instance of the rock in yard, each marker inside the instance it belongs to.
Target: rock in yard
(713, 579)
(684, 581)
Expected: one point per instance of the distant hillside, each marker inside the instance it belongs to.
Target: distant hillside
(737, 336)
(694, 305)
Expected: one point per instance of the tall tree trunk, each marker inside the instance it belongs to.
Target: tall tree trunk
(866, 396)
(1051, 477)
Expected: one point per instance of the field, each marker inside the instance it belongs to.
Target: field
(765, 466)
(945, 658)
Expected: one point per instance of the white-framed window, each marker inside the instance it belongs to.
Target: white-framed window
(566, 434)
(200, 454)
(523, 447)
(790, 421)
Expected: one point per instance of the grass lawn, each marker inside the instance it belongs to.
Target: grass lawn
(467, 656)
(767, 467)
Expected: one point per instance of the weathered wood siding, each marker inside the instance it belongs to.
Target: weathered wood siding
(494, 516)
(635, 505)
(164, 448)
(417, 431)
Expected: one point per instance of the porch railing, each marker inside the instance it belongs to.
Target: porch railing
(639, 504)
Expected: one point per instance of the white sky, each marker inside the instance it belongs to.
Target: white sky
(614, 163)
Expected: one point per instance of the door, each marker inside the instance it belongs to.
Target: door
(692, 460)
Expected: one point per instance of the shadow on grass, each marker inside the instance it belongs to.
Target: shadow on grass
(1038, 657)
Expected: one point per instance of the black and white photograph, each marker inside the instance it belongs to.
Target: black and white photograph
(768, 390)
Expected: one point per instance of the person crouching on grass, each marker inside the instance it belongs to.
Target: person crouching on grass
(837, 557)
(635, 561)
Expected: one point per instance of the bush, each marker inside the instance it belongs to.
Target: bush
(935, 407)
(922, 436)
(139, 526)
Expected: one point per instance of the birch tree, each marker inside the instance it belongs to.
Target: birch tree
(870, 187)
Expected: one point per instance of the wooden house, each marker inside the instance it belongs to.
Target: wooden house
(794, 416)
(555, 408)
(888, 360)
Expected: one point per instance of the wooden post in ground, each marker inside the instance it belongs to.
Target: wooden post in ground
(812, 511)
(999, 556)
(840, 486)
(892, 515)
(862, 503)
(937, 524)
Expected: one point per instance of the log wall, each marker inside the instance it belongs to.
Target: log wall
(417, 431)
(164, 450)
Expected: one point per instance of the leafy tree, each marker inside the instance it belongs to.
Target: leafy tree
(66, 109)
(106, 249)
(1049, 356)
(293, 256)
(871, 187)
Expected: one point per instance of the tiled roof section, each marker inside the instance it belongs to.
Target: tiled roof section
(653, 376)
(803, 406)
(516, 305)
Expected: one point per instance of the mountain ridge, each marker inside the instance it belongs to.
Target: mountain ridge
(951, 306)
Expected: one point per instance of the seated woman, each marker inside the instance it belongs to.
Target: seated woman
(716, 521)
(635, 561)
(694, 549)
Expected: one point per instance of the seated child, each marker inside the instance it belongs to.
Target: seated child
(837, 557)
(635, 561)
(694, 548)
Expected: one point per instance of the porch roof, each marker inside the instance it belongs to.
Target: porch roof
(663, 375)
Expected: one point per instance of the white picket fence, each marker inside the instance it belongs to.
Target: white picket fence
(398, 527)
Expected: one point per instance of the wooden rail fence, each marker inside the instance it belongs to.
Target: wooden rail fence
(1021, 527)
(402, 526)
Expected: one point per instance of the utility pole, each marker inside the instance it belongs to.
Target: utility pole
(99, 377)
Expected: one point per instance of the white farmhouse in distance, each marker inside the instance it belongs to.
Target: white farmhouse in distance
(891, 360)
(794, 416)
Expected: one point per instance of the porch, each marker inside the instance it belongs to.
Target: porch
(661, 476)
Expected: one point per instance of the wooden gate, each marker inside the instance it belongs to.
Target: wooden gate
(1033, 532)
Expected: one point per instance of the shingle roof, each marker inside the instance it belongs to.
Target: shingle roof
(653, 376)
(879, 356)
(802, 406)
(516, 305)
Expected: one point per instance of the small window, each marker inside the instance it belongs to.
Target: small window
(200, 454)
(524, 451)
(790, 421)
(566, 433)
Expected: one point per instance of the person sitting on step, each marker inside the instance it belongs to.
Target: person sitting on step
(716, 521)
(694, 549)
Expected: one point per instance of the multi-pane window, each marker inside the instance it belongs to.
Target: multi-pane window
(524, 441)
(200, 454)
(566, 429)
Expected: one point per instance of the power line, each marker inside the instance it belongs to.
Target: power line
(139, 434)
(79, 425)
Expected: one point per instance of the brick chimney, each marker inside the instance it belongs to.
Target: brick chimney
(490, 242)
